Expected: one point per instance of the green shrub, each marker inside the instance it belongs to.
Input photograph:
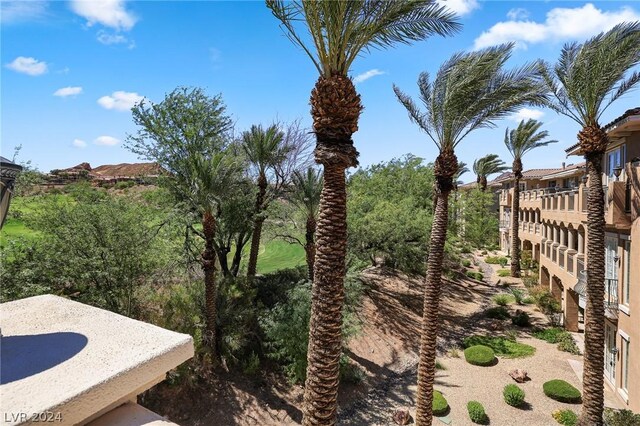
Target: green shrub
(476, 412)
(528, 301)
(521, 319)
(497, 260)
(466, 263)
(561, 391)
(498, 312)
(551, 334)
(525, 259)
(501, 346)
(502, 299)
(504, 273)
(530, 280)
(565, 417)
(440, 404)
(484, 253)
(475, 275)
(503, 261)
(513, 395)
(568, 344)
(124, 184)
(440, 365)
(518, 295)
(465, 249)
(479, 355)
(620, 418)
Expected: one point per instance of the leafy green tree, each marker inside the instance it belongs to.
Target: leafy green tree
(480, 225)
(187, 134)
(526, 137)
(486, 166)
(340, 32)
(585, 81)
(470, 91)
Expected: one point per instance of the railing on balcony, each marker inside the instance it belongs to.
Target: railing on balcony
(537, 228)
(570, 258)
(571, 200)
(627, 197)
(611, 297)
(506, 224)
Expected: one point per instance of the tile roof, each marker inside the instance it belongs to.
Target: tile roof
(608, 126)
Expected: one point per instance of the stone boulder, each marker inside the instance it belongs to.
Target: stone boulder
(519, 375)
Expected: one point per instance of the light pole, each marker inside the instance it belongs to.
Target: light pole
(8, 173)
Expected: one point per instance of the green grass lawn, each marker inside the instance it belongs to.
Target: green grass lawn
(277, 254)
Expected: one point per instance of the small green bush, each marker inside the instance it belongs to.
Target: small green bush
(530, 280)
(565, 417)
(521, 319)
(518, 295)
(502, 299)
(503, 261)
(502, 346)
(528, 301)
(124, 184)
(620, 418)
(513, 395)
(498, 312)
(551, 334)
(568, 344)
(476, 412)
(466, 263)
(479, 355)
(497, 260)
(484, 253)
(504, 272)
(440, 404)
(475, 275)
(440, 365)
(561, 391)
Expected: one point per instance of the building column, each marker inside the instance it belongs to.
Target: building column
(571, 239)
(563, 242)
(580, 243)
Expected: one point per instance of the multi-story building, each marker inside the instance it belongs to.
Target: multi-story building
(553, 225)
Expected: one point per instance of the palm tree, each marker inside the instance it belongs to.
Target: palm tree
(264, 150)
(305, 195)
(469, 92)
(584, 82)
(488, 165)
(341, 31)
(462, 169)
(519, 141)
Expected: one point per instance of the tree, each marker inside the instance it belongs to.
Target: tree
(341, 31)
(187, 134)
(305, 195)
(470, 91)
(526, 137)
(584, 82)
(486, 166)
(264, 149)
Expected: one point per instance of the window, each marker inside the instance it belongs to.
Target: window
(626, 354)
(615, 159)
(626, 281)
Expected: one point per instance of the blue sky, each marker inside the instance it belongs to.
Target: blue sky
(72, 69)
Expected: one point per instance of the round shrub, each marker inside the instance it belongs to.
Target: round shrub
(513, 395)
(498, 312)
(439, 405)
(475, 275)
(565, 417)
(561, 391)
(476, 412)
(521, 319)
(479, 355)
(502, 299)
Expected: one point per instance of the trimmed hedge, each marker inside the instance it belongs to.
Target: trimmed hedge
(562, 391)
(439, 405)
(476, 412)
(479, 355)
(502, 346)
(513, 395)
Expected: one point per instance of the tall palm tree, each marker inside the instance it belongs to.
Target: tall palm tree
(584, 82)
(339, 32)
(526, 137)
(485, 166)
(305, 195)
(470, 91)
(264, 149)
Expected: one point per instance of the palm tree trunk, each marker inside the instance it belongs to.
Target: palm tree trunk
(257, 226)
(209, 269)
(483, 183)
(593, 379)
(310, 245)
(325, 328)
(430, 315)
(515, 230)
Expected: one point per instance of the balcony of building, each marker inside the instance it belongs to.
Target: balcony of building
(610, 294)
(506, 196)
(568, 205)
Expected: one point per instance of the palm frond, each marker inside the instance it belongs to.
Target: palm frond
(526, 137)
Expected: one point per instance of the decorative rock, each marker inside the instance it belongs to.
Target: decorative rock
(401, 417)
(519, 375)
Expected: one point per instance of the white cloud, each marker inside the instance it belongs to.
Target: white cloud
(79, 143)
(460, 7)
(560, 24)
(68, 91)
(106, 141)
(28, 66)
(367, 75)
(107, 38)
(22, 11)
(121, 101)
(526, 113)
(110, 13)
(518, 14)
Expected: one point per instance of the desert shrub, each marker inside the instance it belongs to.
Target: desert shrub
(440, 365)
(502, 299)
(551, 334)
(498, 312)
(453, 353)
(513, 395)
(491, 260)
(465, 249)
(528, 301)
(565, 417)
(561, 391)
(620, 418)
(475, 275)
(521, 319)
(484, 252)
(273, 287)
(479, 355)
(525, 259)
(124, 184)
(476, 412)
(466, 263)
(504, 272)
(502, 346)
(440, 404)
(568, 344)
(349, 371)
(530, 280)
(518, 295)
(503, 261)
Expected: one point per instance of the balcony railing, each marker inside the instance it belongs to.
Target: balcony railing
(611, 295)
(506, 224)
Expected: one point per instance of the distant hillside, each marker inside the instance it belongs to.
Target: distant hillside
(113, 170)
